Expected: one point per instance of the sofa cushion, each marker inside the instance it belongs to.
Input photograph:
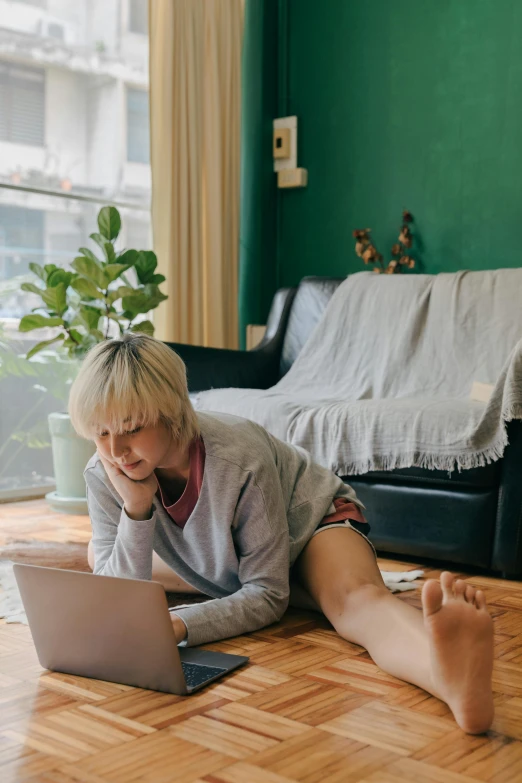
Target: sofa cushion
(309, 304)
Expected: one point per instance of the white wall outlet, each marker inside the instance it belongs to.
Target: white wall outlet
(289, 162)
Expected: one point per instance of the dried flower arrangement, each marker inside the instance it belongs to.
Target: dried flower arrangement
(401, 261)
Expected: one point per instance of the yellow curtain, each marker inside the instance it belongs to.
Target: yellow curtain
(195, 66)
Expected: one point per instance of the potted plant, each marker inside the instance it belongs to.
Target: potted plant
(28, 389)
(98, 298)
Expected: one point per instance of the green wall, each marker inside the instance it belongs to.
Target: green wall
(400, 103)
(258, 277)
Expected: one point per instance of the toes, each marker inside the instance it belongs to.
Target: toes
(431, 597)
(459, 588)
(446, 583)
(470, 594)
(480, 600)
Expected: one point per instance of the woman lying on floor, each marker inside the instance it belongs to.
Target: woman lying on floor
(214, 504)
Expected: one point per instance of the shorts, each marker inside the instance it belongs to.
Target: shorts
(345, 514)
(351, 525)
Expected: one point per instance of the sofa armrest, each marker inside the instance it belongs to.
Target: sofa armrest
(219, 368)
(507, 544)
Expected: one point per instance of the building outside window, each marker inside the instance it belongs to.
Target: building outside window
(73, 136)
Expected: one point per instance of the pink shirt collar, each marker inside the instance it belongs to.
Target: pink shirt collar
(181, 510)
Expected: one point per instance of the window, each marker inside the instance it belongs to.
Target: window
(22, 104)
(61, 159)
(138, 135)
(138, 16)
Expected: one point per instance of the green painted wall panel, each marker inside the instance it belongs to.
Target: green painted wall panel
(404, 103)
(258, 218)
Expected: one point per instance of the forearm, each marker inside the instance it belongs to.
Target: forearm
(249, 609)
(122, 542)
(130, 554)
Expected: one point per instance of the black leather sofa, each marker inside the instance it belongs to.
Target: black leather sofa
(472, 517)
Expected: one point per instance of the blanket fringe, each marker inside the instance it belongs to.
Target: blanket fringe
(449, 463)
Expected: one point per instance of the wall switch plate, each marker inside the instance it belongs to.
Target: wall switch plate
(292, 178)
(290, 161)
(281, 143)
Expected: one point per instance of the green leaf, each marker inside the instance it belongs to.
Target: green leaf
(157, 279)
(59, 276)
(55, 298)
(85, 287)
(136, 303)
(40, 346)
(76, 339)
(110, 253)
(88, 317)
(88, 268)
(100, 241)
(49, 268)
(76, 335)
(37, 270)
(145, 265)
(30, 322)
(89, 254)
(112, 271)
(155, 295)
(144, 327)
(128, 257)
(32, 288)
(109, 222)
(125, 290)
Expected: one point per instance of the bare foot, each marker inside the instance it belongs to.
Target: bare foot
(460, 632)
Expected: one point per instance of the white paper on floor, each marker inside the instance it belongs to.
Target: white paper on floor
(399, 581)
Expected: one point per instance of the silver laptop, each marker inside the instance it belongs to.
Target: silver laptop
(112, 629)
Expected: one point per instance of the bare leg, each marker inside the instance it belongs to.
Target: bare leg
(161, 573)
(448, 652)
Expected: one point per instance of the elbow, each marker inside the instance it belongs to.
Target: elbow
(278, 604)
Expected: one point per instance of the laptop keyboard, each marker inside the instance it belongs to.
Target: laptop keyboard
(196, 673)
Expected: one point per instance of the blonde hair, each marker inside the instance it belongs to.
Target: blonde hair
(135, 381)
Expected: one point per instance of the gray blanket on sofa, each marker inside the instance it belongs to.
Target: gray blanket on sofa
(384, 381)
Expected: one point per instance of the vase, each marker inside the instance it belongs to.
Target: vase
(70, 456)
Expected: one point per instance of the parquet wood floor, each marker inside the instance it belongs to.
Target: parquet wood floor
(309, 708)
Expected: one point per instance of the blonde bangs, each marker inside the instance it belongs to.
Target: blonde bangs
(135, 381)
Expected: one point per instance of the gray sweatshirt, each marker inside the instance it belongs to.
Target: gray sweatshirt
(260, 501)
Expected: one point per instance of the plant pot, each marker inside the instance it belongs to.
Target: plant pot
(70, 456)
